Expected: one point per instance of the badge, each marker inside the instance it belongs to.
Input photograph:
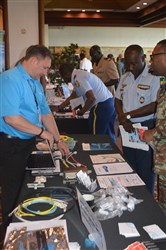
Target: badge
(124, 85)
(77, 84)
(143, 86)
(142, 99)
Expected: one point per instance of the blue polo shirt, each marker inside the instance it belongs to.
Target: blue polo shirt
(21, 95)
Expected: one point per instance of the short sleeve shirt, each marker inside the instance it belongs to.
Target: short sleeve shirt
(159, 138)
(84, 81)
(21, 95)
(106, 70)
(136, 93)
(86, 64)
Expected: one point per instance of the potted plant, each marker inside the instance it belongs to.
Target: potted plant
(68, 55)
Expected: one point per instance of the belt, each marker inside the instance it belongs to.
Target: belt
(8, 136)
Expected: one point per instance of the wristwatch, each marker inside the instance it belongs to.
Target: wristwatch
(128, 117)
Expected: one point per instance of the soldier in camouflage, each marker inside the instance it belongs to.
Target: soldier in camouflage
(158, 134)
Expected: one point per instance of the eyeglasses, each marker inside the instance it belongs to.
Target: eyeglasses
(151, 56)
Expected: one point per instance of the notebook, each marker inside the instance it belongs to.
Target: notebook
(44, 162)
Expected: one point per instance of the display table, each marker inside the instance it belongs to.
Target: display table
(65, 121)
(146, 213)
(68, 125)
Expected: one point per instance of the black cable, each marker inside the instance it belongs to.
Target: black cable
(63, 193)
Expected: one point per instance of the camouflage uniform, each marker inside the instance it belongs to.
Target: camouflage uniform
(160, 146)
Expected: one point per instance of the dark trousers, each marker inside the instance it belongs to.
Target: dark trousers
(142, 161)
(14, 153)
(102, 119)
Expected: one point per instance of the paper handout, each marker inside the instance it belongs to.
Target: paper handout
(126, 180)
(132, 140)
(106, 158)
(155, 232)
(96, 146)
(128, 229)
(112, 168)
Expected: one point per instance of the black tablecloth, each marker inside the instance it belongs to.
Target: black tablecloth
(72, 125)
(146, 213)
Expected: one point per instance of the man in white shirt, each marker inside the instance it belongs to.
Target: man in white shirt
(85, 63)
(98, 99)
(135, 102)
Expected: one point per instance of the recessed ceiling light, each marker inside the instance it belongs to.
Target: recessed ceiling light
(68, 10)
(138, 8)
(97, 10)
(83, 10)
(144, 3)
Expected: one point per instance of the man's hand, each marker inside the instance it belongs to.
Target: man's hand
(128, 126)
(61, 145)
(54, 108)
(79, 112)
(48, 136)
(122, 118)
(148, 135)
(63, 148)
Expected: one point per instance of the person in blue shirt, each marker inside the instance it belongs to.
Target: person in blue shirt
(24, 114)
(98, 99)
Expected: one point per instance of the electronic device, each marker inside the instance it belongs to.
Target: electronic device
(44, 162)
(66, 91)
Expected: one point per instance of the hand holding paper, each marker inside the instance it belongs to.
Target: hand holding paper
(133, 140)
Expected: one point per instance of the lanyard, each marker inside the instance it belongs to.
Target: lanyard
(34, 93)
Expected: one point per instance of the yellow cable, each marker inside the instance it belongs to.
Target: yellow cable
(64, 162)
(31, 201)
(94, 121)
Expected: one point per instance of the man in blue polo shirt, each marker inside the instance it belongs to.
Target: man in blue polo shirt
(98, 99)
(24, 114)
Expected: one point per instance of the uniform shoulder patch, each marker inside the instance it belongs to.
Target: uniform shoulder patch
(163, 81)
(77, 84)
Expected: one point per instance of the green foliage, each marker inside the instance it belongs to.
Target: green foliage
(68, 55)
